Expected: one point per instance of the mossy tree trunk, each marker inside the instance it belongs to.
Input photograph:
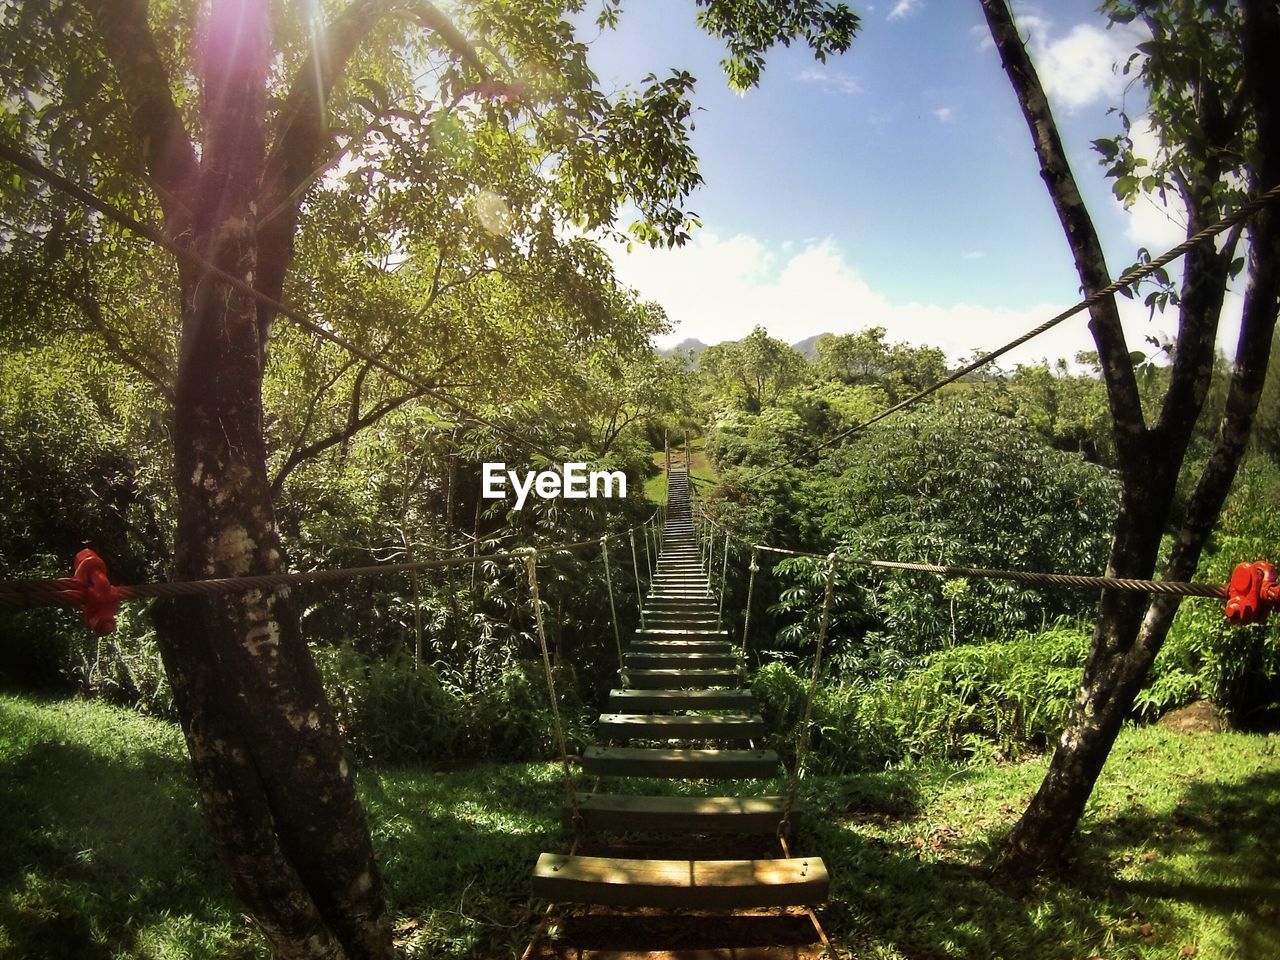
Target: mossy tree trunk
(1130, 630)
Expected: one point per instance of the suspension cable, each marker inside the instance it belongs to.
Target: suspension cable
(25, 594)
(1070, 581)
(1141, 272)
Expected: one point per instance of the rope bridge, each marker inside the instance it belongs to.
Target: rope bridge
(681, 681)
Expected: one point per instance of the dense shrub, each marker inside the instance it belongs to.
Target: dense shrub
(391, 712)
(974, 701)
(1236, 667)
(958, 484)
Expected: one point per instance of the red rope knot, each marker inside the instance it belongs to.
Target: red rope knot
(1252, 593)
(91, 588)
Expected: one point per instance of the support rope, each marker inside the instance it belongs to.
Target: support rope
(531, 564)
(753, 569)
(635, 566)
(613, 610)
(724, 578)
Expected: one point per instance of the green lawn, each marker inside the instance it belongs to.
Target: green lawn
(655, 488)
(103, 853)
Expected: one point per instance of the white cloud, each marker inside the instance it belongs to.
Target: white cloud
(839, 81)
(1078, 68)
(1153, 223)
(974, 254)
(981, 33)
(718, 288)
(945, 114)
(903, 8)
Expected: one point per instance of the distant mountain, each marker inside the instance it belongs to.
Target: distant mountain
(689, 349)
(809, 345)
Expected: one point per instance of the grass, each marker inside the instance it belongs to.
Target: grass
(103, 852)
(655, 488)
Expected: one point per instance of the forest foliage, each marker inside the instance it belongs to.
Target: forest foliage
(1007, 468)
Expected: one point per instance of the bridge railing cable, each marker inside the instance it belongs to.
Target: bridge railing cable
(1140, 272)
(95, 587)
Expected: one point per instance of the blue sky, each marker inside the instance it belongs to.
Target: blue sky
(895, 185)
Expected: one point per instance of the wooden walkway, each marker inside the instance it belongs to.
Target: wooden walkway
(681, 683)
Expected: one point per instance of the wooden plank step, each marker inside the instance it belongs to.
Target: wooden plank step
(680, 679)
(681, 646)
(637, 701)
(679, 620)
(678, 763)
(679, 660)
(625, 813)
(677, 623)
(689, 884)
(658, 726)
(699, 607)
(669, 633)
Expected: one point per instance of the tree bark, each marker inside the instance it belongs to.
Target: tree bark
(277, 792)
(1129, 631)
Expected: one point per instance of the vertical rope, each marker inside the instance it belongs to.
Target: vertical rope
(724, 577)
(531, 565)
(754, 568)
(613, 611)
(648, 554)
(802, 740)
(635, 565)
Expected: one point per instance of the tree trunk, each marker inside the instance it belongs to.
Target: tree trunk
(1129, 631)
(277, 792)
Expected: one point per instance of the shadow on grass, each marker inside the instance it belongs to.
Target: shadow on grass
(1141, 884)
(98, 850)
(1217, 851)
(457, 851)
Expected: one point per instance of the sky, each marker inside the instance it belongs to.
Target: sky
(895, 185)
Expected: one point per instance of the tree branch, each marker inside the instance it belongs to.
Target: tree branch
(301, 135)
(1261, 300)
(1091, 266)
(158, 128)
(352, 427)
(92, 311)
